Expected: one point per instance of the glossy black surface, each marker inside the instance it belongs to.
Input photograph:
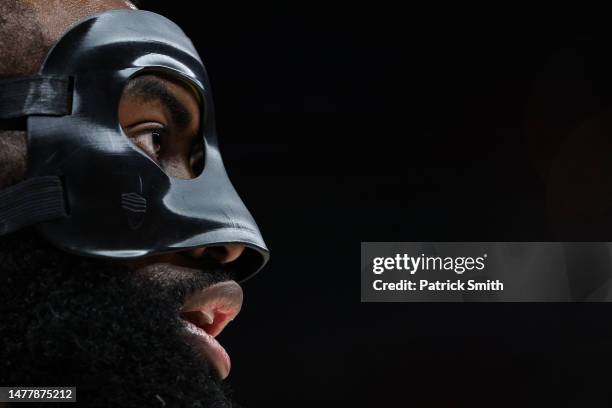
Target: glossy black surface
(121, 203)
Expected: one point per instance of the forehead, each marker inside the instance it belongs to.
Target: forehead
(57, 16)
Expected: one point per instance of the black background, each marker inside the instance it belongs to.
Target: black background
(345, 123)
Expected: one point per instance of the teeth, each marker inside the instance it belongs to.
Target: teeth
(209, 318)
(199, 317)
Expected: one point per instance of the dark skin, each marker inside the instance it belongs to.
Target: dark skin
(169, 139)
(112, 332)
(137, 115)
(172, 140)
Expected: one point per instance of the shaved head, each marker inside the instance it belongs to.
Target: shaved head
(33, 26)
(24, 53)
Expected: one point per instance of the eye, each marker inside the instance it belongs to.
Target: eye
(156, 137)
(149, 140)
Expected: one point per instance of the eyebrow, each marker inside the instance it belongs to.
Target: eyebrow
(147, 88)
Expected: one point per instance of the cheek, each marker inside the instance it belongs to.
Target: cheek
(145, 142)
(177, 166)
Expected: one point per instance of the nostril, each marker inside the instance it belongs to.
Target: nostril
(226, 253)
(223, 254)
(197, 252)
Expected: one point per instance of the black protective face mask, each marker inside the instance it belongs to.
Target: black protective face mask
(88, 188)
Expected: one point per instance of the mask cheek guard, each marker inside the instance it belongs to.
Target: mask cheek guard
(88, 189)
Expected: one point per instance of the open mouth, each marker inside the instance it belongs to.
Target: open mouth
(205, 314)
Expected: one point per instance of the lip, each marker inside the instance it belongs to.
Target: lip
(205, 314)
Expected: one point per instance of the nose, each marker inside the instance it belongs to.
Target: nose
(223, 254)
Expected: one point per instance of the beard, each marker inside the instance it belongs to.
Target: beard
(112, 332)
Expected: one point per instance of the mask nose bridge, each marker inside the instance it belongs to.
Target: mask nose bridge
(213, 192)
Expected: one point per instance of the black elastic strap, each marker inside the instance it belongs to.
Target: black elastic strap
(34, 95)
(32, 201)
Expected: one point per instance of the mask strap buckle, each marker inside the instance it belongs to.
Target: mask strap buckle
(48, 95)
(37, 199)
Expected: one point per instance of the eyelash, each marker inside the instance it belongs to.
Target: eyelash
(156, 136)
(159, 133)
(150, 140)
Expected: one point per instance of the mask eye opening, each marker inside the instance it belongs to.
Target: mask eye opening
(162, 114)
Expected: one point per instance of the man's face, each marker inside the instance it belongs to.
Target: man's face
(128, 333)
(161, 115)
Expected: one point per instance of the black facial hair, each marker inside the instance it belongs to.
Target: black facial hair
(111, 332)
